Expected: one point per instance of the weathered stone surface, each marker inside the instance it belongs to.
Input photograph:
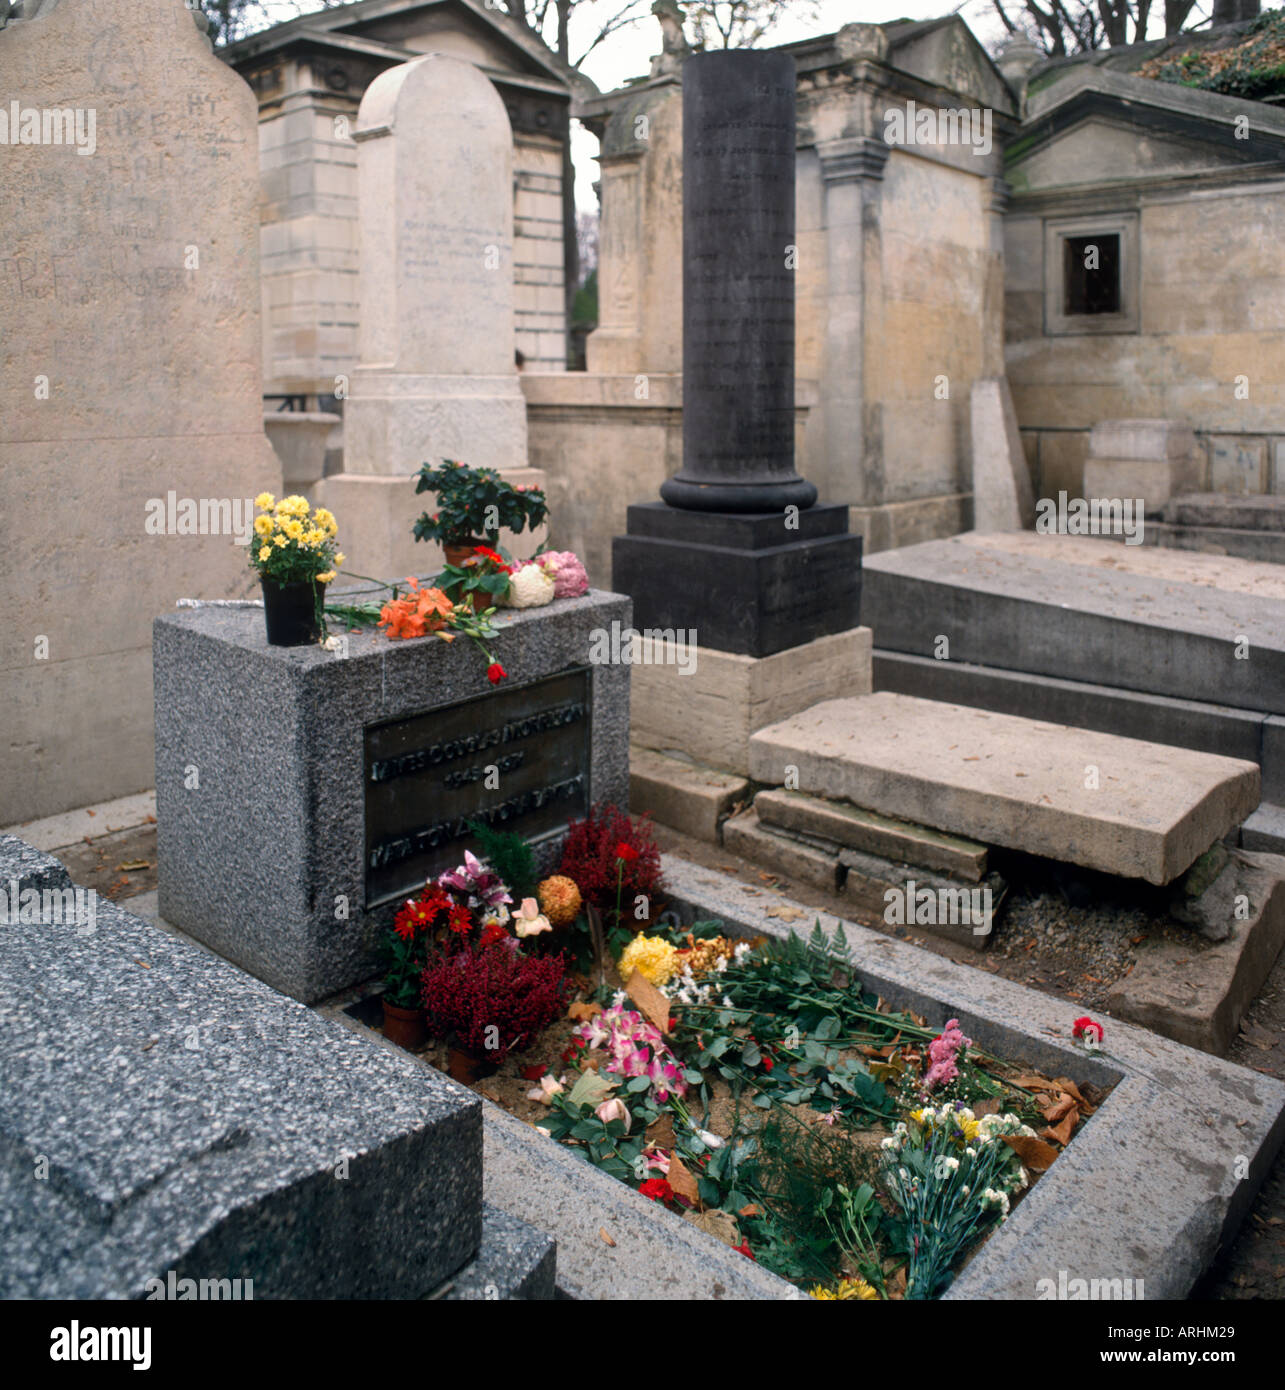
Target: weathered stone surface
(1014, 782)
(1150, 1187)
(1072, 607)
(129, 314)
(855, 828)
(1199, 996)
(1141, 439)
(681, 793)
(711, 713)
(300, 438)
(1003, 499)
(1155, 481)
(787, 854)
(1265, 830)
(276, 738)
(165, 1111)
(924, 902)
(1216, 509)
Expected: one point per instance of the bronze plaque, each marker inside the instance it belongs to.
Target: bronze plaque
(517, 759)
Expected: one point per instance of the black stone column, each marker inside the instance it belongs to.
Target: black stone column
(738, 549)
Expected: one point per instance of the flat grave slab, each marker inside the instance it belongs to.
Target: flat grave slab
(1013, 782)
(1150, 1187)
(1084, 609)
(164, 1111)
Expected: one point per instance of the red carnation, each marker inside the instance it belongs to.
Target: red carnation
(534, 1073)
(626, 852)
(492, 933)
(744, 1249)
(658, 1189)
(495, 673)
(1086, 1028)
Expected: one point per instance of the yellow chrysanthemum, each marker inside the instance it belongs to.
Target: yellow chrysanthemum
(846, 1289)
(294, 529)
(326, 578)
(280, 541)
(264, 552)
(293, 505)
(653, 958)
(313, 537)
(263, 525)
(340, 557)
(265, 501)
(969, 1126)
(326, 520)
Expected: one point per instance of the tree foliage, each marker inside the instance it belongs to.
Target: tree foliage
(1065, 27)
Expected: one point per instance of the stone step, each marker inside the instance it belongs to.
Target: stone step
(197, 1122)
(1129, 617)
(1252, 735)
(514, 1262)
(1256, 512)
(1263, 547)
(1013, 782)
(681, 793)
(853, 828)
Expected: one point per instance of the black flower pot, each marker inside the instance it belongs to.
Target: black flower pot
(292, 612)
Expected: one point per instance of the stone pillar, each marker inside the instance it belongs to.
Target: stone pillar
(737, 550)
(738, 287)
(851, 170)
(437, 377)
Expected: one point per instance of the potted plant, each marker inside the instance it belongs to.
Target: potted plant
(481, 578)
(406, 946)
(294, 552)
(473, 506)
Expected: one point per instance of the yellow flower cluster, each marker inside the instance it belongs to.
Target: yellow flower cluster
(855, 1288)
(707, 952)
(963, 1120)
(654, 959)
(293, 520)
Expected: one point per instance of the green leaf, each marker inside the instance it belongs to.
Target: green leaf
(591, 1089)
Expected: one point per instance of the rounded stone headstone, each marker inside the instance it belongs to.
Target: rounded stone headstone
(436, 213)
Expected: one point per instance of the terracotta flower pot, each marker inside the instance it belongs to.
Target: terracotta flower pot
(292, 612)
(408, 1028)
(463, 1066)
(457, 552)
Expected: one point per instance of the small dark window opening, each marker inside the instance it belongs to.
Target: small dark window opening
(1093, 274)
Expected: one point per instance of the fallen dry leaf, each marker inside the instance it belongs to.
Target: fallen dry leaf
(1061, 1133)
(649, 999)
(719, 1224)
(681, 1180)
(1032, 1082)
(602, 1235)
(751, 1209)
(582, 1011)
(986, 1107)
(660, 1133)
(133, 866)
(1034, 1153)
(785, 912)
(1056, 1107)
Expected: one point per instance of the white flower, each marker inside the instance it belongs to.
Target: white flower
(950, 1164)
(619, 999)
(711, 1141)
(530, 587)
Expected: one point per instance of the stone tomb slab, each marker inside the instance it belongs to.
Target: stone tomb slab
(1014, 782)
(1152, 1184)
(301, 794)
(196, 1121)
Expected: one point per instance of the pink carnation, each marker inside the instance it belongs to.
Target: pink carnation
(943, 1052)
(566, 571)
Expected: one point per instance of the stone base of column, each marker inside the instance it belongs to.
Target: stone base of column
(377, 516)
(753, 583)
(709, 713)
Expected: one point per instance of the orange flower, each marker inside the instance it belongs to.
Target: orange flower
(420, 612)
